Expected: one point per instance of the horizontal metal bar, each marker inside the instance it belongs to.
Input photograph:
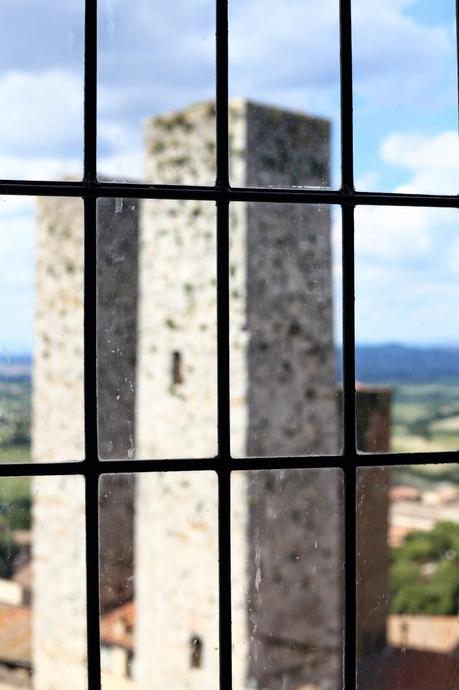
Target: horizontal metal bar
(99, 467)
(217, 465)
(396, 459)
(344, 461)
(41, 469)
(220, 193)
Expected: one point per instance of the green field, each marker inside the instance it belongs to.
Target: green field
(15, 412)
(15, 495)
(425, 418)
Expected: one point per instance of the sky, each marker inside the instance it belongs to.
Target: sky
(157, 57)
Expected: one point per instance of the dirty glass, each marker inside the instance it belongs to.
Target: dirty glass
(156, 91)
(405, 96)
(286, 577)
(284, 94)
(159, 544)
(407, 356)
(42, 582)
(157, 344)
(285, 331)
(41, 89)
(41, 347)
(407, 577)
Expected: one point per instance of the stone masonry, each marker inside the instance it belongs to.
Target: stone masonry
(59, 584)
(117, 274)
(59, 626)
(59, 603)
(286, 527)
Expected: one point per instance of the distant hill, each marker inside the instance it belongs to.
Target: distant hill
(14, 367)
(404, 364)
(387, 363)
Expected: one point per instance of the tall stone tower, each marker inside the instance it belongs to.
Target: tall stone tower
(161, 345)
(286, 527)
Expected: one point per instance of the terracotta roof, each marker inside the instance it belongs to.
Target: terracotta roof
(402, 492)
(409, 669)
(117, 627)
(23, 537)
(15, 634)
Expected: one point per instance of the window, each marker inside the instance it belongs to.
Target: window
(196, 652)
(301, 204)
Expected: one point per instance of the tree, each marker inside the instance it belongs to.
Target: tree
(424, 573)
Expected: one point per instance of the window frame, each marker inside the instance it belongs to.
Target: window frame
(90, 189)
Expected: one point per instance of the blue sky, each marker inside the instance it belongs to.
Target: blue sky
(155, 57)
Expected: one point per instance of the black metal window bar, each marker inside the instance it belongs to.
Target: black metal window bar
(222, 194)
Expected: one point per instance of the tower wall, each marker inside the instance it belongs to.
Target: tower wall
(59, 584)
(59, 603)
(58, 599)
(282, 398)
(58, 396)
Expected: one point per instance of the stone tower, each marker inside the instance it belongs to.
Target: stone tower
(286, 526)
(161, 345)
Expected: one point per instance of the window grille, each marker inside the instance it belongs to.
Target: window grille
(90, 189)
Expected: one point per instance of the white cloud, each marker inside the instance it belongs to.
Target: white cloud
(408, 258)
(122, 167)
(433, 161)
(413, 150)
(14, 206)
(398, 60)
(406, 233)
(30, 168)
(41, 114)
(16, 235)
(388, 232)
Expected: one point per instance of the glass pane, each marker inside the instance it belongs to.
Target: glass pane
(157, 85)
(42, 585)
(157, 350)
(159, 540)
(284, 395)
(287, 566)
(289, 66)
(405, 96)
(407, 355)
(41, 299)
(41, 89)
(408, 577)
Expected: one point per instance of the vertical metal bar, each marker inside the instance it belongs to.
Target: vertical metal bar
(91, 445)
(350, 452)
(90, 349)
(223, 328)
(90, 91)
(222, 92)
(223, 464)
(347, 130)
(224, 577)
(347, 185)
